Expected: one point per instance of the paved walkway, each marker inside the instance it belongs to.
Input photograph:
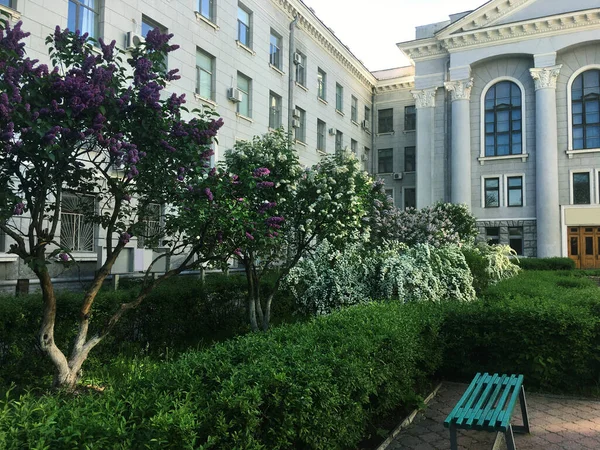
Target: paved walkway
(556, 423)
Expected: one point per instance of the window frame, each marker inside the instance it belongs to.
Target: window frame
(354, 147)
(522, 238)
(339, 140)
(300, 132)
(414, 158)
(248, 95)
(300, 69)
(339, 97)
(413, 115)
(490, 236)
(211, 10)
(404, 190)
(321, 84)
(575, 74)
(78, 6)
(79, 222)
(354, 109)
(277, 108)
(321, 136)
(248, 26)
(160, 223)
(199, 69)
(389, 164)
(484, 190)
(507, 190)
(389, 119)
(591, 182)
(276, 57)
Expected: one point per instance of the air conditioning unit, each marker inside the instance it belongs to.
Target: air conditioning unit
(398, 176)
(133, 40)
(296, 113)
(332, 131)
(235, 95)
(296, 123)
(297, 58)
(364, 157)
(366, 125)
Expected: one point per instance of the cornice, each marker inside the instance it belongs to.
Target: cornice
(384, 86)
(326, 39)
(422, 49)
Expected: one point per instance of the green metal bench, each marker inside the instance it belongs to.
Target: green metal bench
(487, 405)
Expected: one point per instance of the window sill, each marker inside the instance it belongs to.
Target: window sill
(387, 133)
(321, 152)
(571, 153)
(201, 18)
(206, 101)
(301, 86)
(246, 118)
(385, 173)
(408, 172)
(339, 112)
(409, 131)
(482, 159)
(8, 257)
(84, 256)
(245, 47)
(302, 143)
(354, 122)
(276, 69)
(13, 13)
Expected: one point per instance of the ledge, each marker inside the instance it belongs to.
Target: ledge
(339, 112)
(8, 257)
(247, 119)
(409, 131)
(571, 153)
(321, 152)
(13, 13)
(276, 69)
(201, 18)
(482, 159)
(322, 100)
(354, 122)
(245, 47)
(84, 256)
(301, 86)
(303, 144)
(207, 101)
(387, 133)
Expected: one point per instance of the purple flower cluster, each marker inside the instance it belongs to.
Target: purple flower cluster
(249, 236)
(108, 51)
(125, 237)
(174, 102)
(261, 172)
(150, 94)
(156, 40)
(64, 257)
(209, 194)
(275, 222)
(10, 39)
(266, 206)
(19, 209)
(265, 184)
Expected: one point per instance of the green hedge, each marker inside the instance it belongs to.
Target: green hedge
(546, 263)
(314, 385)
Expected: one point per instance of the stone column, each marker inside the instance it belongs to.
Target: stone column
(546, 162)
(425, 104)
(460, 160)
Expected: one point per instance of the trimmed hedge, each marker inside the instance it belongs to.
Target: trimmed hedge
(312, 385)
(546, 263)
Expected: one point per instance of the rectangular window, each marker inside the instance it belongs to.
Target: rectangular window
(385, 160)
(354, 147)
(410, 163)
(274, 110)
(206, 9)
(515, 239)
(385, 120)
(410, 198)
(151, 229)
(410, 118)
(492, 235)
(390, 194)
(492, 192)
(514, 188)
(367, 113)
(339, 97)
(244, 26)
(275, 50)
(339, 140)
(76, 230)
(149, 24)
(301, 130)
(322, 84)
(301, 69)
(581, 188)
(205, 69)
(244, 84)
(354, 109)
(321, 130)
(10, 4)
(83, 16)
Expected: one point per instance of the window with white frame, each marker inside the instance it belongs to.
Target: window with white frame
(354, 109)
(339, 141)
(205, 70)
(321, 133)
(151, 229)
(244, 85)
(491, 192)
(76, 228)
(83, 16)
(514, 190)
(354, 146)
(339, 97)
(581, 188)
(503, 114)
(244, 26)
(300, 132)
(385, 120)
(274, 110)
(385, 160)
(585, 110)
(301, 69)
(322, 84)
(275, 58)
(206, 8)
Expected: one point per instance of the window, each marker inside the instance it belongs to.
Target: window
(301, 130)
(10, 4)
(367, 113)
(205, 69)
(274, 110)
(76, 231)
(244, 84)
(321, 130)
(390, 194)
(585, 104)
(515, 239)
(354, 147)
(410, 162)
(385, 160)
(492, 235)
(83, 16)
(206, 9)
(492, 192)
(151, 227)
(410, 118)
(275, 50)
(354, 109)
(514, 188)
(581, 188)
(410, 198)
(148, 25)
(244, 26)
(339, 140)
(322, 84)
(503, 120)
(385, 120)
(339, 97)
(301, 69)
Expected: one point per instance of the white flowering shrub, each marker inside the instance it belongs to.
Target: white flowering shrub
(490, 264)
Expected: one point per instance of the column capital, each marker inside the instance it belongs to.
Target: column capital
(545, 77)
(459, 89)
(424, 98)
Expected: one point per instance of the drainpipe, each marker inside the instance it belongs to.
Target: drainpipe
(291, 76)
(372, 118)
(448, 139)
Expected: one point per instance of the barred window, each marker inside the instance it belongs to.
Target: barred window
(76, 228)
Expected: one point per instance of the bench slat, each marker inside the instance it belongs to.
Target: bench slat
(483, 418)
(504, 417)
(484, 400)
(453, 415)
(494, 423)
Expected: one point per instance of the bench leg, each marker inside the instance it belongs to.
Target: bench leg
(525, 427)
(453, 441)
(509, 437)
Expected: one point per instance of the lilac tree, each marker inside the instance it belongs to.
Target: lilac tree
(98, 124)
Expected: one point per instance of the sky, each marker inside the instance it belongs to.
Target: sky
(372, 28)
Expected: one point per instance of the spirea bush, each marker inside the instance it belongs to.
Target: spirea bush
(490, 264)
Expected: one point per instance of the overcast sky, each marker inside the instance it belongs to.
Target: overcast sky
(372, 28)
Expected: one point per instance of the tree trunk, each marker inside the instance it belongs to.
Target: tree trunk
(259, 310)
(251, 302)
(267, 314)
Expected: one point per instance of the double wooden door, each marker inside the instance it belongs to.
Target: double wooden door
(584, 246)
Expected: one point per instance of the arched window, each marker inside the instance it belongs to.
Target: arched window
(585, 107)
(503, 120)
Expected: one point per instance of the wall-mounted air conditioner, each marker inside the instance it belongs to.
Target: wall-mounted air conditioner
(332, 131)
(235, 95)
(398, 176)
(296, 113)
(296, 123)
(133, 40)
(297, 58)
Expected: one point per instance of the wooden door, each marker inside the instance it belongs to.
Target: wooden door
(584, 246)
(574, 245)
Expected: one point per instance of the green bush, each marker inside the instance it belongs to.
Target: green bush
(312, 385)
(489, 264)
(546, 263)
